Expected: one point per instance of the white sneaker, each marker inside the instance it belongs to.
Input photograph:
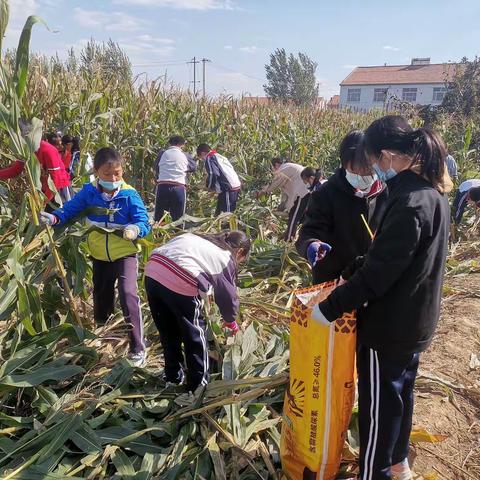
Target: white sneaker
(401, 471)
(173, 384)
(138, 359)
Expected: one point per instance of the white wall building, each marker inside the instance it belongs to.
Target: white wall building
(420, 83)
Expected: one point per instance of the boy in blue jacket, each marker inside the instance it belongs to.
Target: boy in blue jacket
(114, 254)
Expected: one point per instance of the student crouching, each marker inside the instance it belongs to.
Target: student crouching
(114, 254)
(177, 276)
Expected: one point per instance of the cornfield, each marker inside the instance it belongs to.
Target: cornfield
(71, 405)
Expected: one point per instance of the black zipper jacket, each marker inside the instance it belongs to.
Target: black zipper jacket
(334, 216)
(402, 276)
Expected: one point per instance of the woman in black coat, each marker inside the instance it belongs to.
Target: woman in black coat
(397, 291)
(334, 233)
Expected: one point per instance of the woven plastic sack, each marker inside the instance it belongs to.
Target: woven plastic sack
(321, 392)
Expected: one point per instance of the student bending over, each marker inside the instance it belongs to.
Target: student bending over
(177, 275)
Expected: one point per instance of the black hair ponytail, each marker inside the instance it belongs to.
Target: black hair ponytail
(429, 155)
(424, 146)
(231, 240)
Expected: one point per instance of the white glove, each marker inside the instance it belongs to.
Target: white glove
(47, 218)
(319, 317)
(130, 232)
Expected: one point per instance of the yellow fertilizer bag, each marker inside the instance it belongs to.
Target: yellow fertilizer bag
(321, 392)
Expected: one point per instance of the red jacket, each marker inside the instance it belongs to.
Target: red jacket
(52, 165)
(67, 159)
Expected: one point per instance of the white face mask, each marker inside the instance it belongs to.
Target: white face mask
(360, 182)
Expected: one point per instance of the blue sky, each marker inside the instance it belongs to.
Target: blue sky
(239, 35)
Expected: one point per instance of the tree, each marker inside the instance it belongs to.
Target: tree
(463, 92)
(291, 78)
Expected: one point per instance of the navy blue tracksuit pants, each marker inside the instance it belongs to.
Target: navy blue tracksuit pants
(459, 205)
(227, 201)
(170, 198)
(179, 320)
(385, 405)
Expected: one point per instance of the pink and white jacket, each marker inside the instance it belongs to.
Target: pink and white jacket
(192, 265)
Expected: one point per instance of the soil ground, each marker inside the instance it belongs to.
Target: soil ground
(448, 389)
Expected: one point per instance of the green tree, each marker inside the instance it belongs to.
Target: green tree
(291, 78)
(463, 92)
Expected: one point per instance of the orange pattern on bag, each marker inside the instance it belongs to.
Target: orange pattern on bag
(320, 395)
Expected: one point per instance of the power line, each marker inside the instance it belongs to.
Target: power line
(222, 67)
(194, 62)
(161, 64)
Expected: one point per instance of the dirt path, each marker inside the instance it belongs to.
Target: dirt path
(440, 407)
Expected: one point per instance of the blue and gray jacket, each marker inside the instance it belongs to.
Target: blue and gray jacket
(125, 208)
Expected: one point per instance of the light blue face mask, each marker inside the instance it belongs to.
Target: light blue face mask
(110, 185)
(384, 176)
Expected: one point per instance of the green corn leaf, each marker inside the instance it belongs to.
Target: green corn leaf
(45, 398)
(23, 307)
(4, 14)
(22, 58)
(122, 463)
(41, 473)
(120, 435)
(49, 372)
(87, 440)
(8, 298)
(217, 459)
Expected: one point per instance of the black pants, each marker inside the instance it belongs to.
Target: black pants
(385, 406)
(459, 205)
(227, 201)
(171, 199)
(179, 319)
(295, 216)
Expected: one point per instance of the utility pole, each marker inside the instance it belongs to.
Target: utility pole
(204, 65)
(194, 62)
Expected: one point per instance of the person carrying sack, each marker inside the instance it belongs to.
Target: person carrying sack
(397, 291)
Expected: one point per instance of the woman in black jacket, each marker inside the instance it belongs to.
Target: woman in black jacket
(333, 233)
(397, 291)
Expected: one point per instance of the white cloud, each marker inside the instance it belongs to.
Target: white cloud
(227, 47)
(182, 4)
(249, 49)
(391, 48)
(349, 66)
(114, 21)
(19, 11)
(147, 44)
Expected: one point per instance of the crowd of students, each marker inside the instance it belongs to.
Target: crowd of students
(379, 225)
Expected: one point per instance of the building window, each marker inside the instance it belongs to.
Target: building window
(379, 94)
(353, 94)
(438, 94)
(409, 94)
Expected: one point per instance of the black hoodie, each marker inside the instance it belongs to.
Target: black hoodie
(334, 216)
(402, 276)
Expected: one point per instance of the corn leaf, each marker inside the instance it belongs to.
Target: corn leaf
(422, 435)
(22, 57)
(4, 14)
